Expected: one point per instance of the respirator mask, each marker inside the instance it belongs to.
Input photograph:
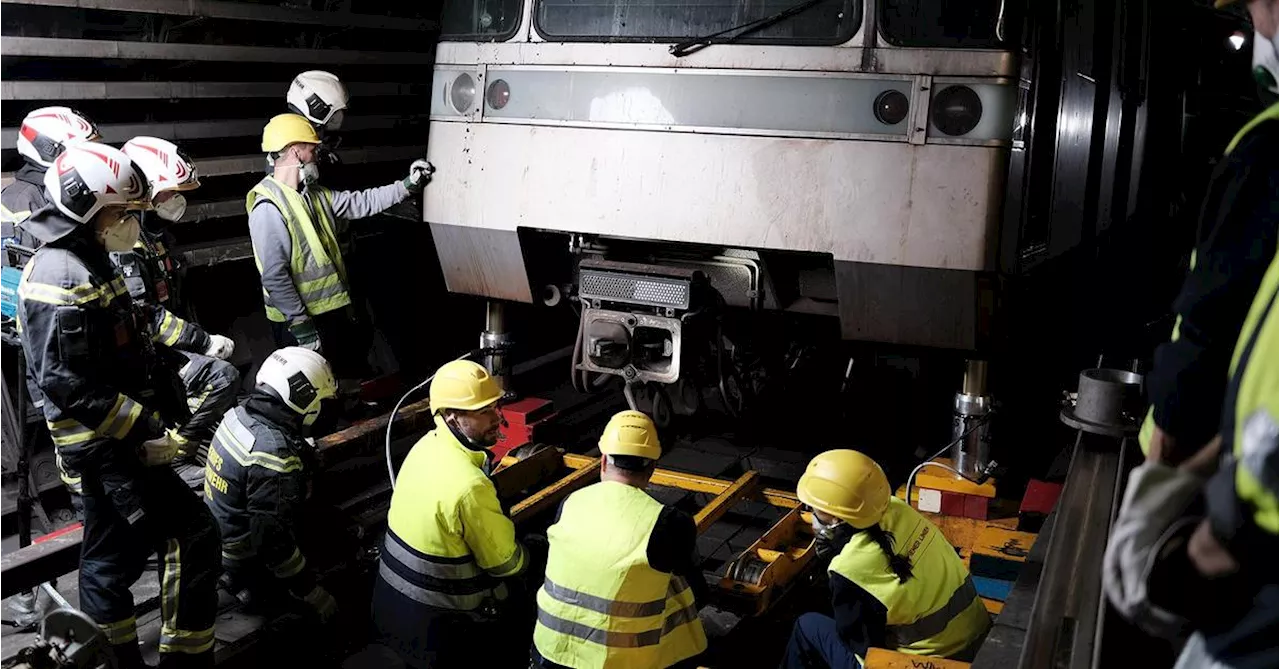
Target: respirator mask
(173, 208)
(121, 235)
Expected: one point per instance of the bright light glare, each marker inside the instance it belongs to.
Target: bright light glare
(1236, 41)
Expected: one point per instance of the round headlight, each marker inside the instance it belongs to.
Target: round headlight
(956, 110)
(463, 93)
(499, 93)
(890, 107)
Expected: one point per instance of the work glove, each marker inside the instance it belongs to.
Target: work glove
(161, 450)
(220, 347)
(323, 603)
(306, 334)
(419, 176)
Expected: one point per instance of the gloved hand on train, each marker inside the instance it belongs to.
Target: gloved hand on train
(161, 450)
(419, 176)
(323, 603)
(220, 347)
(305, 333)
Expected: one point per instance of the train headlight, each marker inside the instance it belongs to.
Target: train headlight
(956, 110)
(499, 93)
(462, 94)
(890, 107)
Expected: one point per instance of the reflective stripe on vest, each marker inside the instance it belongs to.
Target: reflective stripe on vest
(232, 439)
(1252, 407)
(454, 583)
(935, 612)
(602, 605)
(1271, 113)
(315, 263)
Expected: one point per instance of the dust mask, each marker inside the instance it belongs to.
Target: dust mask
(121, 235)
(173, 208)
(1266, 61)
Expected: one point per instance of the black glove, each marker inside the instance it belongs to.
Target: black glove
(305, 333)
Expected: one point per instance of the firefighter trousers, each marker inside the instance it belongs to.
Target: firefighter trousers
(211, 386)
(130, 512)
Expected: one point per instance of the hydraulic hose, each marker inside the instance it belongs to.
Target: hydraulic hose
(929, 460)
(391, 471)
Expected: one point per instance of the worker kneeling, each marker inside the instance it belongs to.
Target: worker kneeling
(623, 582)
(256, 482)
(441, 593)
(895, 584)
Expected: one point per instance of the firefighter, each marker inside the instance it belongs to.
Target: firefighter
(896, 582)
(449, 547)
(295, 224)
(257, 481)
(150, 273)
(109, 400)
(623, 581)
(319, 97)
(44, 135)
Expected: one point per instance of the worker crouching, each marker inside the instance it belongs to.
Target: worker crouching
(623, 582)
(441, 594)
(257, 480)
(897, 583)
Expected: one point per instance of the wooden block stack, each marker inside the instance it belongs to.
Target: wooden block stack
(998, 556)
(944, 493)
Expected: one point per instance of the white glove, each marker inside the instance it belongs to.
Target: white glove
(161, 450)
(419, 175)
(220, 347)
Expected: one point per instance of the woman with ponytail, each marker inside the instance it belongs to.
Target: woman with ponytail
(895, 582)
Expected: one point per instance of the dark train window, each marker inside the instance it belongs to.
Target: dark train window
(990, 24)
(480, 20)
(827, 22)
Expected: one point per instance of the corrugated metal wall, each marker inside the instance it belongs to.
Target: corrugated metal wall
(207, 74)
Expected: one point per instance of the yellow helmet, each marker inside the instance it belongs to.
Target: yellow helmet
(847, 485)
(464, 385)
(286, 129)
(631, 433)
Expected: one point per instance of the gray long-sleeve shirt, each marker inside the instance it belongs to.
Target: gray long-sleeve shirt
(273, 246)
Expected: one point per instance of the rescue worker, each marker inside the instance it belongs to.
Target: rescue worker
(44, 135)
(201, 358)
(319, 97)
(295, 224)
(1235, 241)
(896, 583)
(623, 581)
(449, 548)
(109, 400)
(257, 481)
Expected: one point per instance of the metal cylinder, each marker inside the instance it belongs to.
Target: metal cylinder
(498, 340)
(1108, 399)
(970, 430)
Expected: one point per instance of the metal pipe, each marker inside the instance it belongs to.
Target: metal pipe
(495, 337)
(972, 453)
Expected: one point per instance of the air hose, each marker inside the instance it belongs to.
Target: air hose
(391, 471)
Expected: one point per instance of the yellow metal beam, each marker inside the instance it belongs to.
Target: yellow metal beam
(715, 510)
(695, 483)
(552, 494)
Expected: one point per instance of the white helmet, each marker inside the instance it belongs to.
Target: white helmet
(301, 377)
(320, 97)
(167, 169)
(47, 131)
(90, 176)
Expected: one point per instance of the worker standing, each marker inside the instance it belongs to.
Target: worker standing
(440, 589)
(294, 225)
(1235, 241)
(258, 478)
(44, 135)
(896, 583)
(148, 270)
(108, 399)
(623, 583)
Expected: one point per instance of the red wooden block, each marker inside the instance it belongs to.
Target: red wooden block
(1040, 497)
(975, 507)
(952, 504)
(527, 411)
